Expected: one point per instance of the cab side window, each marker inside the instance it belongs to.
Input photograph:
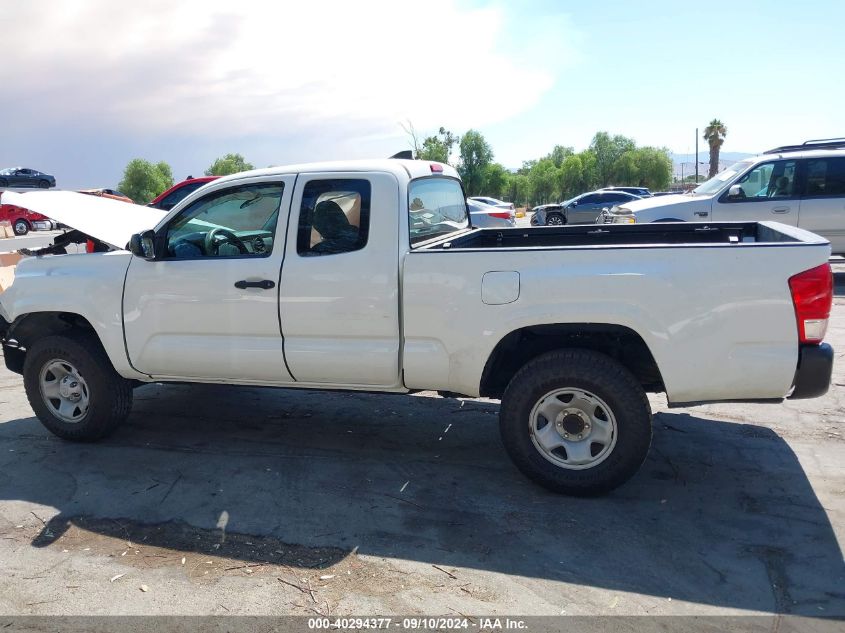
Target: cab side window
(769, 180)
(825, 178)
(334, 217)
(235, 222)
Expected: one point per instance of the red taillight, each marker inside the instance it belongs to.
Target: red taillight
(89, 246)
(505, 215)
(812, 296)
(435, 168)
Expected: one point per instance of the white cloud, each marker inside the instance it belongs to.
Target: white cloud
(251, 68)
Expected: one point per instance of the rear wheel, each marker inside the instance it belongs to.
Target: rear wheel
(576, 422)
(555, 219)
(21, 227)
(4, 182)
(73, 388)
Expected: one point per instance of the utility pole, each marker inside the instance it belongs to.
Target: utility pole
(696, 155)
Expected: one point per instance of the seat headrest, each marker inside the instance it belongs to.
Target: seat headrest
(329, 220)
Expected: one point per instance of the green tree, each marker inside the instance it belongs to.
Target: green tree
(437, 147)
(654, 167)
(560, 154)
(571, 177)
(228, 164)
(608, 149)
(476, 155)
(625, 169)
(589, 170)
(143, 180)
(517, 189)
(495, 180)
(715, 134)
(544, 178)
(526, 167)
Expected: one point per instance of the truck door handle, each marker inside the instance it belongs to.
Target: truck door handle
(264, 284)
(703, 214)
(780, 210)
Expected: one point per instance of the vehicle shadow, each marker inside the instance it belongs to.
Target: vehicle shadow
(720, 514)
(839, 284)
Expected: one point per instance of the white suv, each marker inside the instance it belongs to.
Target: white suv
(801, 185)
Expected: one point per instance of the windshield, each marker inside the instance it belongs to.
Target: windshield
(436, 207)
(718, 181)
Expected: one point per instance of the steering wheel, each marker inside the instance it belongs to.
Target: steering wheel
(212, 247)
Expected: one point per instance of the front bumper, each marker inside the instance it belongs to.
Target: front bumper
(815, 368)
(609, 217)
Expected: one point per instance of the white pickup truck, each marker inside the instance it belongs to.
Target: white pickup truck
(368, 276)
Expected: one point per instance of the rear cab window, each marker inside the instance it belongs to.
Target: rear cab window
(334, 217)
(436, 207)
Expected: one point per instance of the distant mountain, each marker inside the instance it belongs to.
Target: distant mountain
(684, 164)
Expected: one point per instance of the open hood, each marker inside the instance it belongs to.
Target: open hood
(110, 221)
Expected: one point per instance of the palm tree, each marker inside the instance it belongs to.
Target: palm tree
(715, 134)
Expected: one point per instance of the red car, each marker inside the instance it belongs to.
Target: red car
(24, 220)
(178, 192)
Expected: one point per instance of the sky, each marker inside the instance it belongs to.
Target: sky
(90, 84)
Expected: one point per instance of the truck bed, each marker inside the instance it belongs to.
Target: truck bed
(621, 235)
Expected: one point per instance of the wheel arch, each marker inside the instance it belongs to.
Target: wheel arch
(520, 346)
(28, 328)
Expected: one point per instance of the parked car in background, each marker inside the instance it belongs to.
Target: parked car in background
(642, 192)
(25, 177)
(493, 202)
(583, 209)
(23, 220)
(178, 192)
(487, 217)
(114, 194)
(800, 185)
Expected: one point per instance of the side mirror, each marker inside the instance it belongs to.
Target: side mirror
(143, 245)
(605, 209)
(574, 204)
(736, 192)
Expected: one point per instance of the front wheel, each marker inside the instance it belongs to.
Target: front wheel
(44, 184)
(73, 388)
(21, 227)
(555, 219)
(576, 422)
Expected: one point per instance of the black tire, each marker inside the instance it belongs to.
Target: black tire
(109, 394)
(669, 220)
(555, 219)
(21, 227)
(4, 182)
(596, 374)
(44, 184)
